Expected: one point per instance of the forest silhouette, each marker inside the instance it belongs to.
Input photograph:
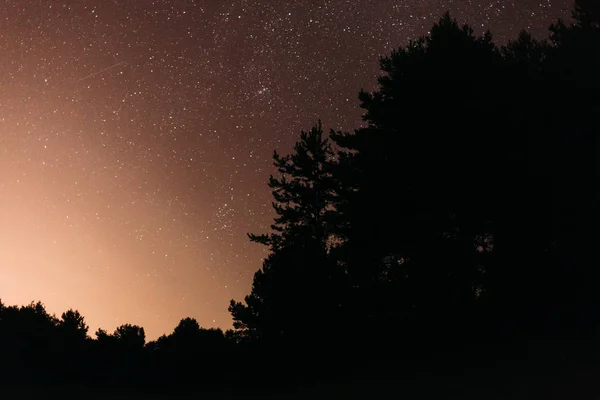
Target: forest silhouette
(456, 229)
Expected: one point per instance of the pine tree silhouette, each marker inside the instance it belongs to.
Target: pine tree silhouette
(295, 288)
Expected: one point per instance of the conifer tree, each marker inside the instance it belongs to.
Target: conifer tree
(303, 193)
(294, 285)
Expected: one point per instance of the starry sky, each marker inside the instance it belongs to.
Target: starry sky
(136, 136)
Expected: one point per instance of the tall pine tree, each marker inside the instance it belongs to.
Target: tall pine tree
(293, 290)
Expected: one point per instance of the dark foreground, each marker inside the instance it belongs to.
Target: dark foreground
(534, 370)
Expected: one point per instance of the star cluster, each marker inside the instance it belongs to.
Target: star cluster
(135, 136)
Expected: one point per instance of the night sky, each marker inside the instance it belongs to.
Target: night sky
(136, 136)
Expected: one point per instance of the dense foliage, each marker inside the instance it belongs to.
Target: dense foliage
(468, 200)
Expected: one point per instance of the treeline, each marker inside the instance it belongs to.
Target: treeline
(38, 348)
(464, 211)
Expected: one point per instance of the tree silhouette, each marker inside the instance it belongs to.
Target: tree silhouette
(188, 338)
(189, 354)
(303, 193)
(131, 336)
(296, 285)
(73, 325)
(73, 344)
(28, 337)
(416, 216)
(120, 355)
